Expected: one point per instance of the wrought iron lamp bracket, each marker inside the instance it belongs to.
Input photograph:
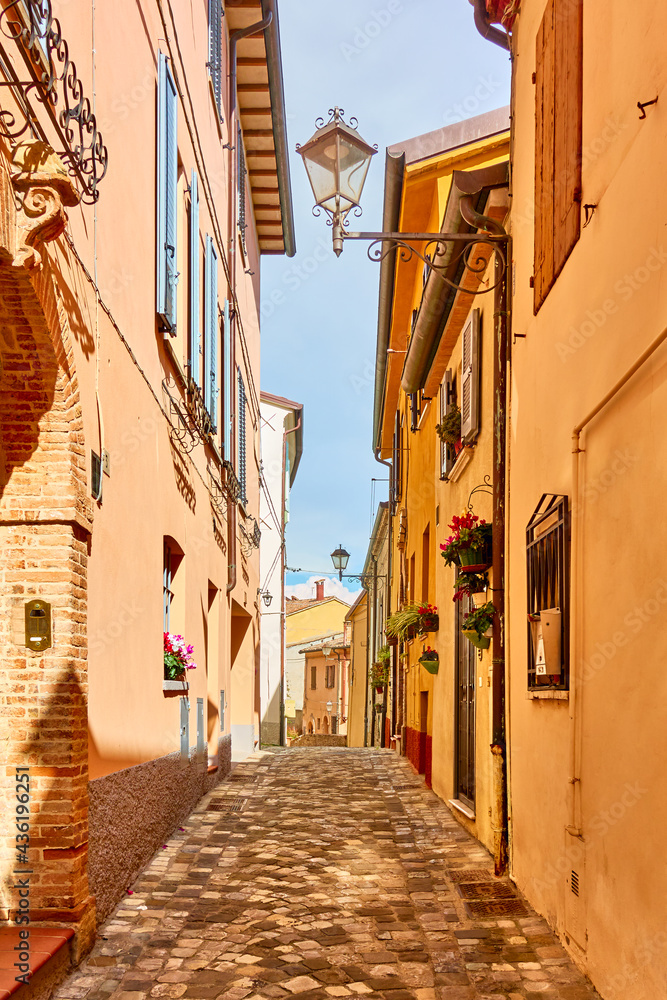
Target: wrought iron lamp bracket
(435, 249)
(484, 487)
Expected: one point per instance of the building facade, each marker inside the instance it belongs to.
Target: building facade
(326, 688)
(130, 251)
(435, 361)
(282, 446)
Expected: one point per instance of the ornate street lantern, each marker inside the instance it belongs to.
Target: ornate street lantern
(340, 559)
(336, 159)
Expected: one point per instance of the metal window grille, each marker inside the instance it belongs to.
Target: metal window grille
(215, 15)
(548, 568)
(241, 454)
(167, 591)
(241, 173)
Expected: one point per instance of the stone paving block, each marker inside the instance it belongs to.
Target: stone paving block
(338, 879)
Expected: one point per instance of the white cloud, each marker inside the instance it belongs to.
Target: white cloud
(332, 588)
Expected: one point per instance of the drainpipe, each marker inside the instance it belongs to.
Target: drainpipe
(234, 38)
(486, 29)
(283, 721)
(500, 360)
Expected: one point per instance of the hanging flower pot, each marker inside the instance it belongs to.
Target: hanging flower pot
(479, 641)
(429, 618)
(430, 660)
(469, 545)
(479, 599)
(379, 688)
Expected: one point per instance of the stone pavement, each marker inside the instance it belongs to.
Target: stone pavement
(316, 874)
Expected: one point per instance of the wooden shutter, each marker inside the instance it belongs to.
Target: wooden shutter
(195, 289)
(227, 384)
(241, 438)
(447, 403)
(558, 138)
(211, 331)
(215, 14)
(470, 379)
(167, 189)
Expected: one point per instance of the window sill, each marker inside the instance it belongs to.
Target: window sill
(175, 687)
(548, 695)
(463, 809)
(461, 463)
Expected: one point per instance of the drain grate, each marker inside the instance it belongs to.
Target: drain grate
(496, 908)
(226, 805)
(470, 875)
(486, 890)
(247, 779)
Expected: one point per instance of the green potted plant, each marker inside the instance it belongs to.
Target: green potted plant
(477, 625)
(384, 654)
(449, 429)
(430, 660)
(412, 620)
(472, 585)
(469, 545)
(380, 676)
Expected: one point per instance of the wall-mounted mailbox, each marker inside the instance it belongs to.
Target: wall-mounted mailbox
(545, 628)
(38, 625)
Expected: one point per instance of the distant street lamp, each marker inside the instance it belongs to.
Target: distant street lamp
(329, 706)
(267, 598)
(340, 559)
(337, 159)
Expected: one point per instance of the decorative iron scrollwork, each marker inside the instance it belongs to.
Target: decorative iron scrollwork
(217, 493)
(437, 248)
(197, 410)
(232, 485)
(56, 85)
(180, 430)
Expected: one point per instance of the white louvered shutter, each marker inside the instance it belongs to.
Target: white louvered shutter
(167, 191)
(195, 288)
(470, 375)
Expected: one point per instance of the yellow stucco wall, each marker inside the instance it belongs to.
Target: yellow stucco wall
(430, 504)
(358, 672)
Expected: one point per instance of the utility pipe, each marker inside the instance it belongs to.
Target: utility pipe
(574, 827)
(283, 720)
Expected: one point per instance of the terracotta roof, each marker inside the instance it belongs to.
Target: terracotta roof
(336, 640)
(294, 604)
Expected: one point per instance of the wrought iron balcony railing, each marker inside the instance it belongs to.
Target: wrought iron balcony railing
(53, 82)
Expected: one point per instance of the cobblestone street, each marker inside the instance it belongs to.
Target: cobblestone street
(322, 874)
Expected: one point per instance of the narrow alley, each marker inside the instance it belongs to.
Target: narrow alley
(323, 874)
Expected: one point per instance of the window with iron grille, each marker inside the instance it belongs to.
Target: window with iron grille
(241, 438)
(330, 675)
(215, 15)
(548, 568)
(242, 172)
(313, 680)
(167, 591)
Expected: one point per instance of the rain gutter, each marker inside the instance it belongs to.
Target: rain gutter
(393, 191)
(279, 122)
(461, 216)
(486, 29)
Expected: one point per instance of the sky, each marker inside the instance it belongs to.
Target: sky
(402, 68)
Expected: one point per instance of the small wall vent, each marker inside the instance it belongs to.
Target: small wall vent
(574, 882)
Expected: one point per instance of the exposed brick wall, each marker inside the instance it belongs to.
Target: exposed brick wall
(45, 523)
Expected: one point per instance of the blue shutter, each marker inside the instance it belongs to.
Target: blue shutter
(227, 387)
(241, 439)
(167, 189)
(215, 14)
(210, 330)
(195, 291)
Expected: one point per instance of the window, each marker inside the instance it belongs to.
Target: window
(167, 587)
(558, 118)
(415, 409)
(313, 680)
(396, 461)
(447, 403)
(195, 290)
(426, 561)
(228, 383)
(211, 375)
(167, 188)
(330, 675)
(215, 15)
(241, 442)
(548, 567)
(470, 374)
